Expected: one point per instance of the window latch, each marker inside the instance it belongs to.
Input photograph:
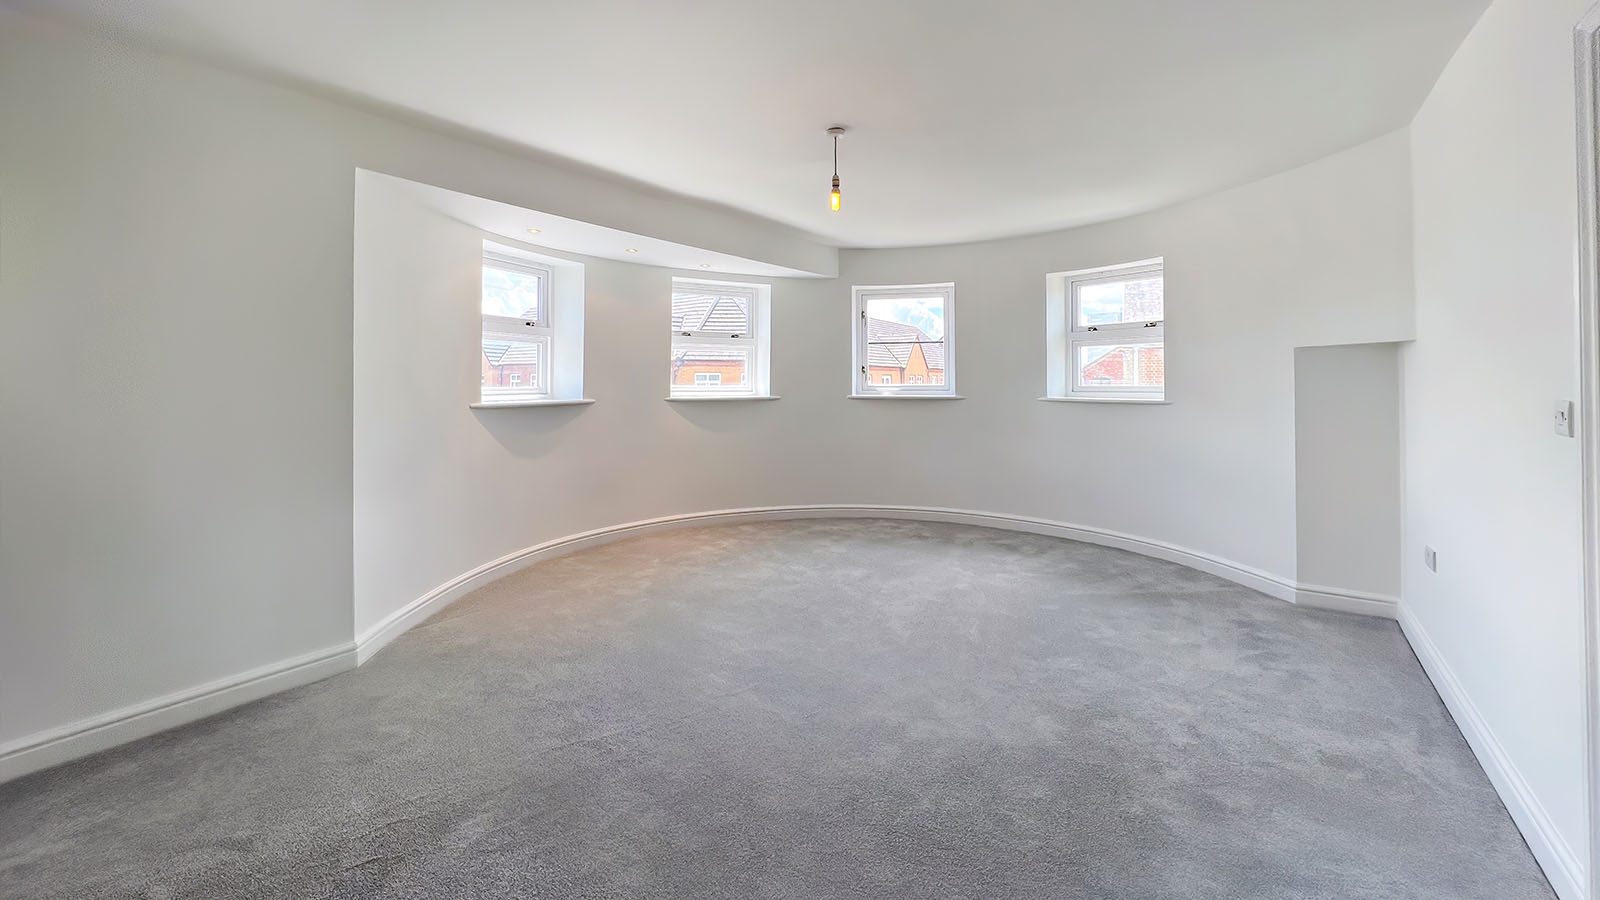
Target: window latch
(1094, 328)
(1151, 324)
(685, 334)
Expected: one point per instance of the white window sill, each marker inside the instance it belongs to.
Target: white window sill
(524, 404)
(907, 397)
(1136, 401)
(731, 398)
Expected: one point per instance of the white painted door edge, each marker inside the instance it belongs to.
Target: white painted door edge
(1587, 75)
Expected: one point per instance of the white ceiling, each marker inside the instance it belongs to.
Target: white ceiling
(547, 231)
(968, 119)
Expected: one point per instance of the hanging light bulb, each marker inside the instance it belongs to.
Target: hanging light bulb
(835, 199)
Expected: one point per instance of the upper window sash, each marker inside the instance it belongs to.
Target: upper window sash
(718, 291)
(542, 308)
(1076, 284)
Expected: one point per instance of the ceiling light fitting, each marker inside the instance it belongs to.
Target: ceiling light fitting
(835, 199)
(533, 231)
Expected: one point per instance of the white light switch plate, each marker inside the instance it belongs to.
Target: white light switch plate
(1564, 419)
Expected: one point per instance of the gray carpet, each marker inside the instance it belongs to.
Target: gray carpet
(814, 710)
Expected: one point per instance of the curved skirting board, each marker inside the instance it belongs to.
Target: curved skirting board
(1317, 596)
(44, 749)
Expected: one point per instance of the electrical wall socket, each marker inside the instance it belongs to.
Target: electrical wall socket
(1430, 558)
(1564, 418)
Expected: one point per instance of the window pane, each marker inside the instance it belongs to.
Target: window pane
(1129, 300)
(514, 294)
(513, 367)
(1122, 365)
(713, 368)
(700, 312)
(905, 340)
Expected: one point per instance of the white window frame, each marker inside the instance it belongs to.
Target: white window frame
(861, 379)
(540, 330)
(1065, 338)
(756, 343)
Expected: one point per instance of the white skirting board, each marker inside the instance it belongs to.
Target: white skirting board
(58, 745)
(42, 750)
(1317, 596)
(1561, 865)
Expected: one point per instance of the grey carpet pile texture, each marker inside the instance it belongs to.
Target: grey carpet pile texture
(816, 709)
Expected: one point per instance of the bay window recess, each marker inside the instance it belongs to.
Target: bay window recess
(1106, 333)
(532, 316)
(720, 341)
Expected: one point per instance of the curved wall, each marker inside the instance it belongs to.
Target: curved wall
(200, 504)
(175, 371)
(1320, 255)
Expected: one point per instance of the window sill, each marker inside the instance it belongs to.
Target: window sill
(525, 404)
(734, 398)
(1134, 401)
(906, 397)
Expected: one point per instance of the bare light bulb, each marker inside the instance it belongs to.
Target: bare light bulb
(835, 199)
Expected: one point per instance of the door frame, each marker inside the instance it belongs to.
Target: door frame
(1587, 51)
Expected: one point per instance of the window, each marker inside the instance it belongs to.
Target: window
(516, 329)
(719, 340)
(1107, 333)
(903, 340)
(532, 310)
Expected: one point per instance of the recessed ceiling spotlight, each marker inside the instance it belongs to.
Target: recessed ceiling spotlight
(631, 250)
(533, 231)
(835, 199)
(705, 265)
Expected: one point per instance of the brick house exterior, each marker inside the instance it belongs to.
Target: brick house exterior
(898, 353)
(1145, 368)
(508, 364)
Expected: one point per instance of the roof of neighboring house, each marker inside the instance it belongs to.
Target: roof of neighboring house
(889, 345)
(710, 312)
(511, 353)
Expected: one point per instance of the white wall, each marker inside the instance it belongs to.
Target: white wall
(1347, 466)
(1318, 255)
(1488, 482)
(441, 488)
(214, 459)
(175, 361)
